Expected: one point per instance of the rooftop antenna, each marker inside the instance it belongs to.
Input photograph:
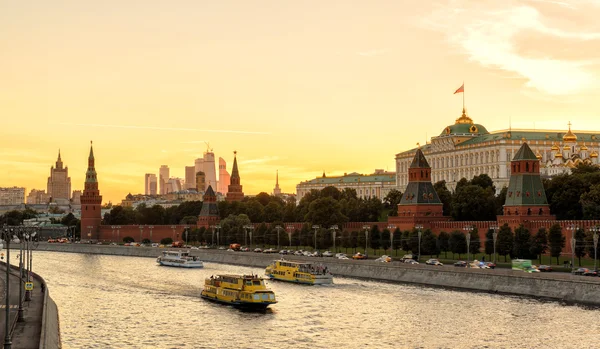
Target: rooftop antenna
(208, 148)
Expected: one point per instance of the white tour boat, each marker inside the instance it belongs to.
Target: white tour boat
(179, 259)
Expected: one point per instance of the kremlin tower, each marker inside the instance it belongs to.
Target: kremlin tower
(277, 190)
(234, 191)
(91, 203)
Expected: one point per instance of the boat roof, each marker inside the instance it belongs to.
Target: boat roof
(292, 262)
(238, 276)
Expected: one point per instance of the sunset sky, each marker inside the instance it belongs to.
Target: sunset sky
(296, 86)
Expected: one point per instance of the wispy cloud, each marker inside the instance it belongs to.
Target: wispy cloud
(259, 160)
(488, 34)
(163, 128)
(373, 53)
(193, 142)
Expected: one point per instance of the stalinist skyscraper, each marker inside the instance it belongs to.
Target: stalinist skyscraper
(59, 183)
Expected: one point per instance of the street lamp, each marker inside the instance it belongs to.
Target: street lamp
(218, 227)
(141, 232)
(366, 228)
(419, 233)
(595, 229)
(468, 229)
(334, 228)
(316, 228)
(246, 228)
(212, 238)
(289, 229)
(495, 236)
(173, 228)
(187, 233)
(150, 227)
(90, 227)
(29, 255)
(573, 229)
(278, 227)
(392, 228)
(7, 236)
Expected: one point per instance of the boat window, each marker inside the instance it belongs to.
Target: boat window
(256, 282)
(249, 283)
(256, 297)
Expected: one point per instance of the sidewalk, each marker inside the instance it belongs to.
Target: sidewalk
(27, 333)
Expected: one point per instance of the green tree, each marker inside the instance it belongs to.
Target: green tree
(445, 196)
(375, 238)
(273, 212)
(385, 239)
(163, 241)
(556, 241)
(331, 192)
(590, 202)
(473, 203)
(397, 243)
(521, 246)
(489, 242)
(504, 243)
(580, 244)
(391, 201)
(457, 243)
(254, 209)
(500, 200)
(325, 212)
(475, 242)
(443, 243)
(128, 239)
(484, 181)
(429, 244)
(405, 242)
(539, 243)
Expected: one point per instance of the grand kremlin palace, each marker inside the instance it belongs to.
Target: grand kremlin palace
(466, 149)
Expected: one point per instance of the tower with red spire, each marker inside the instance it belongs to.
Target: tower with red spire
(234, 191)
(91, 202)
(277, 190)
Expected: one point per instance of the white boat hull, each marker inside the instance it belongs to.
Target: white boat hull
(190, 264)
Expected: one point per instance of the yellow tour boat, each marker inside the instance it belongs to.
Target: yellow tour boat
(299, 272)
(243, 291)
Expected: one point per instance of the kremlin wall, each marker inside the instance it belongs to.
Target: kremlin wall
(525, 204)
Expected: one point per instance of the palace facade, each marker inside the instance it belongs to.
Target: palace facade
(377, 184)
(466, 149)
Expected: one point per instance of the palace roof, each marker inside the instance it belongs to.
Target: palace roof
(354, 178)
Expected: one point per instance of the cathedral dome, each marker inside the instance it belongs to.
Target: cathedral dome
(464, 125)
(583, 147)
(566, 147)
(555, 147)
(558, 155)
(538, 155)
(570, 136)
(594, 155)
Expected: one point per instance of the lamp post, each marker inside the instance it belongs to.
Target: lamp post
(468, 229)
(573, 229)
(495, 236)
(21, 236)
(246, 228)
(150, 227)
(212, 238)
(595, 229)
(7, 236)
(141, 233)
(419, 233)
(316, 228)
(29, 255)
(187, 233)
(391, 228)
(334, 228)
(366, 228)
(218, 227)
(289, 231)
(173, 228)
(278, 227)
(118, 233)
(90, 227)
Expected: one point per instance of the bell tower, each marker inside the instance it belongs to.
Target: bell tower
(91, 202)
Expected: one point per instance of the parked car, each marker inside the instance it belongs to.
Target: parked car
(258, 250)
(359, 255)
(282, 252)
(270, 250)
(490, 265)
(338, 255)
(585, 272)
(384, 259)
(410, 261)
(343, 257)
(327, 254)
(412, 256)
(245, 249)
(544, 268)
(461, 264)
(590, 273)
(433, 261)
(299, 253)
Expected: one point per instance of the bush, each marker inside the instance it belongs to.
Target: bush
(146, 241)
(166, 241)
(128, 239)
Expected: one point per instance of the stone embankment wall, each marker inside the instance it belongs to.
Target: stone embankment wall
(50, 333)
(557, 286)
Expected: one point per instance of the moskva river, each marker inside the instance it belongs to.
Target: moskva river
(131, 302)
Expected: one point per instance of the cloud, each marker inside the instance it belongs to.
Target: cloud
(489, 34)
(373, 53)
(163, 128)
(259, 160)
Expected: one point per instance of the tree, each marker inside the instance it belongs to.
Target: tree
(272, 212)
(473, 203)
(443, 243)
(504, 243)
(484, 181)
(589, 242)
(397, 243)
(375, 238)
(429, 243)
(500, 200)
(539, 243)
(580, 244)
(475, 242)
(445, 196)
(146, 241)
(385, 239)
(325, 212)
(128, 239)
(166, 241)
(405, 242)
(457, 243)
(331, 192)
(489, 242)
(254, 210)
(521, 245)
(556, 241)
(391, 201)
(590, 202)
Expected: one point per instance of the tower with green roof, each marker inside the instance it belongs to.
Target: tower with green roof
(526, 198)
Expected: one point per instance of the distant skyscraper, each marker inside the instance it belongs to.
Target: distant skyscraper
(76, 197)
(200, 181)
(37, 197)
(150, 184)
(59, 183)
(209, 169)
(199, 165)
(234, 192)
(174, 185)
(12, 196)
(190, 177)
(163, 178)
(224, 177)
(277, 190)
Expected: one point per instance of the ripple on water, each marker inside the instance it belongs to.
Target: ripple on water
(128, 302)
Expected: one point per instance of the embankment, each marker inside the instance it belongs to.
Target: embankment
(557, 286)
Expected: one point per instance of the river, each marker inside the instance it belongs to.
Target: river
(131, 302)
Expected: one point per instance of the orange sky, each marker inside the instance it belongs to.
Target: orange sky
(299, 86)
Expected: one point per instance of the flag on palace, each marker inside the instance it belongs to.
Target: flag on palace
(460, 89)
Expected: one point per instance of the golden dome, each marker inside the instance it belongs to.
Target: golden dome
(558, 155)
(555, 147)
(594, 155)
(583, 147)
(538, 155)
(464, 119)
(570, 136)
(566, 147)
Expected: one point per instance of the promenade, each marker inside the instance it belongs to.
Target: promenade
(25, 334)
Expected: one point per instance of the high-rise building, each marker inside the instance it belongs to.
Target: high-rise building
(37, 197)
(209, 169)
(12, 196)
(163, 178)
(200, 181)
(150, 184)
(234, 191)
(91, 202)
(59, 183)
(199, 165)
(190, 177)
(224, 177)
(175, 184)
(76, 197)
(277, 190)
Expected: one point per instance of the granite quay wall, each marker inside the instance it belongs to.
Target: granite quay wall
(556, 286)
(50, 331)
